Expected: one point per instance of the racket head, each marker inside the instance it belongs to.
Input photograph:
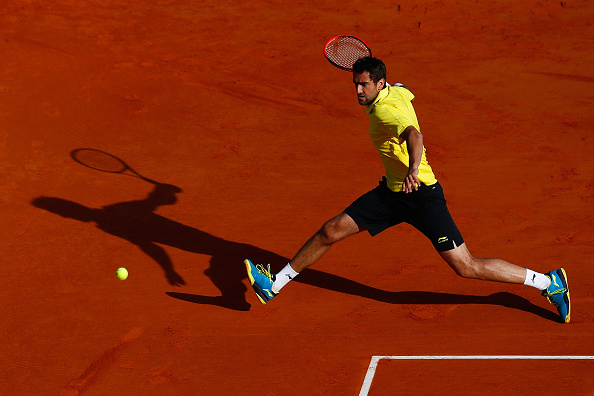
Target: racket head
(99, 160)
(344, 50)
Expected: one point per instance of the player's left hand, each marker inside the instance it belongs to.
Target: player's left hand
(411, 182)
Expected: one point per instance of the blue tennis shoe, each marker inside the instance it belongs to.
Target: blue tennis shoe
(261, 280)
(558, 293)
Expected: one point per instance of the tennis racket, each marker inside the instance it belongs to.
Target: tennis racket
(343, 51)
(105, 162)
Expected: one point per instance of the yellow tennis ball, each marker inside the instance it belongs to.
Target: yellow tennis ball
(122, 273)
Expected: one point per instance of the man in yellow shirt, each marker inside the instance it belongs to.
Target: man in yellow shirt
(408, 193)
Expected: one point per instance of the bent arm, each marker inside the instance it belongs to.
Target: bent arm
(414, 146)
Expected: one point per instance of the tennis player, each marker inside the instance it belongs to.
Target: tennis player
(408, 193)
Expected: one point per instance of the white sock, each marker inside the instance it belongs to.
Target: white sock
(536, 279)
(283, 277)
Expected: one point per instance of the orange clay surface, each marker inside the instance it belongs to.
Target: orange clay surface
(233, 103)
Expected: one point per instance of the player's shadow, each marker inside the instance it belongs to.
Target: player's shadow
(136, 222)
(339, 284)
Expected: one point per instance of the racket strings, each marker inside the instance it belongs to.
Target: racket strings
(99, 160)
(345, 51)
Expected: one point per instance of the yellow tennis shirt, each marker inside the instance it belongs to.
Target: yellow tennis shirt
(389, 115)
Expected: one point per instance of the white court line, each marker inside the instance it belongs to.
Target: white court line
(375, 360)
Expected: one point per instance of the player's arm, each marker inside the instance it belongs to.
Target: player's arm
(414, 146)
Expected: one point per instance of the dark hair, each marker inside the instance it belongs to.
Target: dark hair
(375, 67)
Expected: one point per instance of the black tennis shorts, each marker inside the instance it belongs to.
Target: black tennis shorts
(424, 209)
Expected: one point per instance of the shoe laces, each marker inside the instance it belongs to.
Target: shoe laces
(548, 293)
(558, 291)
(264, 271)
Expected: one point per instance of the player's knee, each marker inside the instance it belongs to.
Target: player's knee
(331, 232)
(463, 263)
(467, 269)
(327, 234)
(466, 272)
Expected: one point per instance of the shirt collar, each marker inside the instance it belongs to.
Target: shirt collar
(380, 96)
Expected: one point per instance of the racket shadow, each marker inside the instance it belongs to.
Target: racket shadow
(105, 162)
(136, 222)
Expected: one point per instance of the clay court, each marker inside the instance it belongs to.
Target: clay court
(256, 140)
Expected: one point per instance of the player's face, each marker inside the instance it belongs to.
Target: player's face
(367, 90)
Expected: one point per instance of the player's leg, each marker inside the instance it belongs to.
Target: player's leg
(468, 266)
(267, 285)
(432, 217)
(334, 230)
(368, 212)
(435, 221)
(553, 284)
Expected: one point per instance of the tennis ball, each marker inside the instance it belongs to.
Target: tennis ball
(122, 273)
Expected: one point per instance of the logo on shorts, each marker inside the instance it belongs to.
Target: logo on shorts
(442, 239)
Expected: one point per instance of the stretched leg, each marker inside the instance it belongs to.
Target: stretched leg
(332, 231)
(491, 269)
(553, 283)
(267, 285)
